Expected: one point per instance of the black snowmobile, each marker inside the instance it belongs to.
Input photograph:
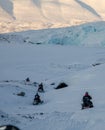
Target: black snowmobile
(87, 103)
(40, 88)
(37, 100)
(8, 127)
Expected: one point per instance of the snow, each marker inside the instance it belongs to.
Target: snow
(74, 55)
(16, 15)
(82, 68)
(88, 7)
(88, 34)
(7, 5)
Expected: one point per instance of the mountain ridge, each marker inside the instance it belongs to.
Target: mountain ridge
(19, 15)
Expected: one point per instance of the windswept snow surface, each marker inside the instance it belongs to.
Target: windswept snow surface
(82, 68)
(74, 55)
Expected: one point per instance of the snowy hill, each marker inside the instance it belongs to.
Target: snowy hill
(18, 15)
(89, 34)
(74, 55)
(80, 67)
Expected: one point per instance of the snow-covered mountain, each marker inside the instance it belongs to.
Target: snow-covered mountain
(81, 65)
(89, 34)
(18, 15)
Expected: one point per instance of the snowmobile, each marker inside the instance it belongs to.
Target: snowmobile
(86, 105)
(37, 102)
(40, 88)
(8, 127)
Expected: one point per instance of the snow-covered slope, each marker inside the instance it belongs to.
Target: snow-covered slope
(35, 14)
(6, 11)
(99, 6)
(90, 34)
(83, 69)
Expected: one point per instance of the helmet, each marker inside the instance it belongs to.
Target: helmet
(86, 93)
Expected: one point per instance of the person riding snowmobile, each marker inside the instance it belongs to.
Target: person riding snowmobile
(40, 88)
(87, 103)
(37, 99)
(27, 79)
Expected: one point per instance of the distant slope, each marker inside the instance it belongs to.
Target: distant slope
(6, 10)
(90, 34)
(51, 11)
(7, 5)
(99, 6)
(37, 14)
(87, 7)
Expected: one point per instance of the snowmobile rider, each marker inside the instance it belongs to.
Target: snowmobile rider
(27, 79)
(37, 98)
(87, 101)
(40, 88)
